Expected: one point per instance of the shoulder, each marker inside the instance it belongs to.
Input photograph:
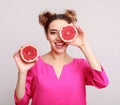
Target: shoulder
(37, 65)
(80, 60)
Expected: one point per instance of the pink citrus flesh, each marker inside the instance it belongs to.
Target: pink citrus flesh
(68, 33)
(29, 53)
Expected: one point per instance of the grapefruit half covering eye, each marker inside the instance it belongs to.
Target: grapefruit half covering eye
(68, 33)
(29, 53)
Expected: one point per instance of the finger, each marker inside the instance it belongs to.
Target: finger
(80, 30)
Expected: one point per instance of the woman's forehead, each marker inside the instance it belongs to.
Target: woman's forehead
(57, 24)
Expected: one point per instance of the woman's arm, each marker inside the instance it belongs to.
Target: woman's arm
(20, 86)
(81, 43)
(90, 57)
(22, 73)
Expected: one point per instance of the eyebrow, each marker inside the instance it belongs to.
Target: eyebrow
(53, 30)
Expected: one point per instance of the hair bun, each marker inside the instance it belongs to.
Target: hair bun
(71, 14)
(43, 17)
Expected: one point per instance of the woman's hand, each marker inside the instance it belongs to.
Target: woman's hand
(22, 66)
(80, 40)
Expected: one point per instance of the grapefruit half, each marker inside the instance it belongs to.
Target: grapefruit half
(68, 33)
(29, 53)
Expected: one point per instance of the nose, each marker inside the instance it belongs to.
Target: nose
(58, 37)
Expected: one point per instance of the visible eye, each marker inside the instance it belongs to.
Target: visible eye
(53, 32)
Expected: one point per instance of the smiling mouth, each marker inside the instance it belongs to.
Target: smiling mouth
(59, 44)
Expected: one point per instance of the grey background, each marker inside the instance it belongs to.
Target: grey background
(100, 20)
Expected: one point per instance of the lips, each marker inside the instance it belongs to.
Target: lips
(59, 44)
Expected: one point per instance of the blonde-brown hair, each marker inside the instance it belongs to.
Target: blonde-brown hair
(46, 17)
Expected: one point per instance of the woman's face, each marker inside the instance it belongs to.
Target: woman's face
(53, 36)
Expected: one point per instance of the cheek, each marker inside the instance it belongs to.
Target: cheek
(50, 38)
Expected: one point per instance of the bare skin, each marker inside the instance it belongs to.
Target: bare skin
(57, 57)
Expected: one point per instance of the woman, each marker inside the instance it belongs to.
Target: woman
(56, 78)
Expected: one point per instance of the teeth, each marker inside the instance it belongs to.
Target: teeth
(59, 44)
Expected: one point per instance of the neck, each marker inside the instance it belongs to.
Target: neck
(53, 59)
(58, 56)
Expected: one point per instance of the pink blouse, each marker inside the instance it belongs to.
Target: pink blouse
(44, 88)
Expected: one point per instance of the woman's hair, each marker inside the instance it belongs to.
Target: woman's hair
(47, 17)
